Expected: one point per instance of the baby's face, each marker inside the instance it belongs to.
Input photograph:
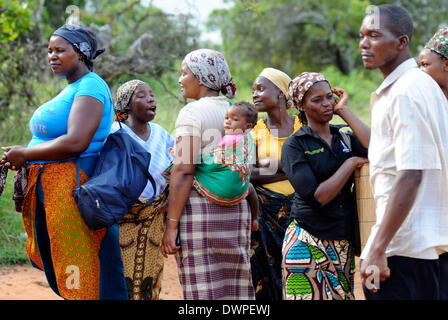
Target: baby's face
(235, 122)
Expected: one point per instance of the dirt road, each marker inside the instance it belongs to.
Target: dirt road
(23, 282)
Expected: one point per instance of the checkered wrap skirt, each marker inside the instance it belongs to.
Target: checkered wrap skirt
(214, 260)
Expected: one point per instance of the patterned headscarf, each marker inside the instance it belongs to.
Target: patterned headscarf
(84, 40)
(124, 95)
(211, 69)
(301, 84)
(439, 42)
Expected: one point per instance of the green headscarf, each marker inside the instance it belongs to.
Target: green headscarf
(439, 42)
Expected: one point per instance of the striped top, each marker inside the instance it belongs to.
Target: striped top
(157, 145)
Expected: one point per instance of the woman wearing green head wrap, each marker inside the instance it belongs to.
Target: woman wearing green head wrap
(433, 59)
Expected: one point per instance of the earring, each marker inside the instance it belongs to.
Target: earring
(121, 116)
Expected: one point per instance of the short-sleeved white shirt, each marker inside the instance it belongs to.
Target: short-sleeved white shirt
(410, 132)
(203, 118)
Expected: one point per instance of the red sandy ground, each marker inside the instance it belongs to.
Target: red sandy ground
(23, 282)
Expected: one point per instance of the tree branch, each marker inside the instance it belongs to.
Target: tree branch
(169, 91)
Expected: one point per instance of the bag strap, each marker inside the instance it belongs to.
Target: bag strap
(116, 116)
(77, 162)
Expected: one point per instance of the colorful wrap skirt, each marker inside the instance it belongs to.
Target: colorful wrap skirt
(141, 233)
(315, 269)
(73, 248)
(266, 244)
(214, 259)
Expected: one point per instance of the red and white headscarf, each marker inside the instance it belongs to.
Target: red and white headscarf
(211, 69)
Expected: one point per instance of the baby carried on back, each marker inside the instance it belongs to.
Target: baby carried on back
(223, 175)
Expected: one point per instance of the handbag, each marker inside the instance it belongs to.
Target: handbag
(119, 178)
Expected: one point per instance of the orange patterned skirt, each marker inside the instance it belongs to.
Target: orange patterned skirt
(74, 247)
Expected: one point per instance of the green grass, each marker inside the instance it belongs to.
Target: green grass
(12, 233)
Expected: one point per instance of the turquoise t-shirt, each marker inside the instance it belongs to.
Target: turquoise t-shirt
(50, 120)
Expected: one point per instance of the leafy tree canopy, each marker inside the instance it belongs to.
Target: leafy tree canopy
(297, 35)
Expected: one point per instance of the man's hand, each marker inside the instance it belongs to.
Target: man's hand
(374, 267)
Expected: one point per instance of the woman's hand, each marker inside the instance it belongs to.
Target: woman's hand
(254, 225)
(14, 157)
(341, 101)
(360, 129)
(169, 239)
(358, 162)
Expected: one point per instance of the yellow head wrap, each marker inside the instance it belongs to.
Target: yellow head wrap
(277, 77)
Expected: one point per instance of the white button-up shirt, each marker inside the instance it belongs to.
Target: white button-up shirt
(410, 132)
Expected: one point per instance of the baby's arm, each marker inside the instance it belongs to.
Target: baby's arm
(254, 206)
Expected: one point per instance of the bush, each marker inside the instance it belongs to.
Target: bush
(12, 232)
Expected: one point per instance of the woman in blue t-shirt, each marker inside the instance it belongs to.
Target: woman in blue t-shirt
(73, 124)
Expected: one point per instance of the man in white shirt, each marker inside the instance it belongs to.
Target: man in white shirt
(408, 156)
